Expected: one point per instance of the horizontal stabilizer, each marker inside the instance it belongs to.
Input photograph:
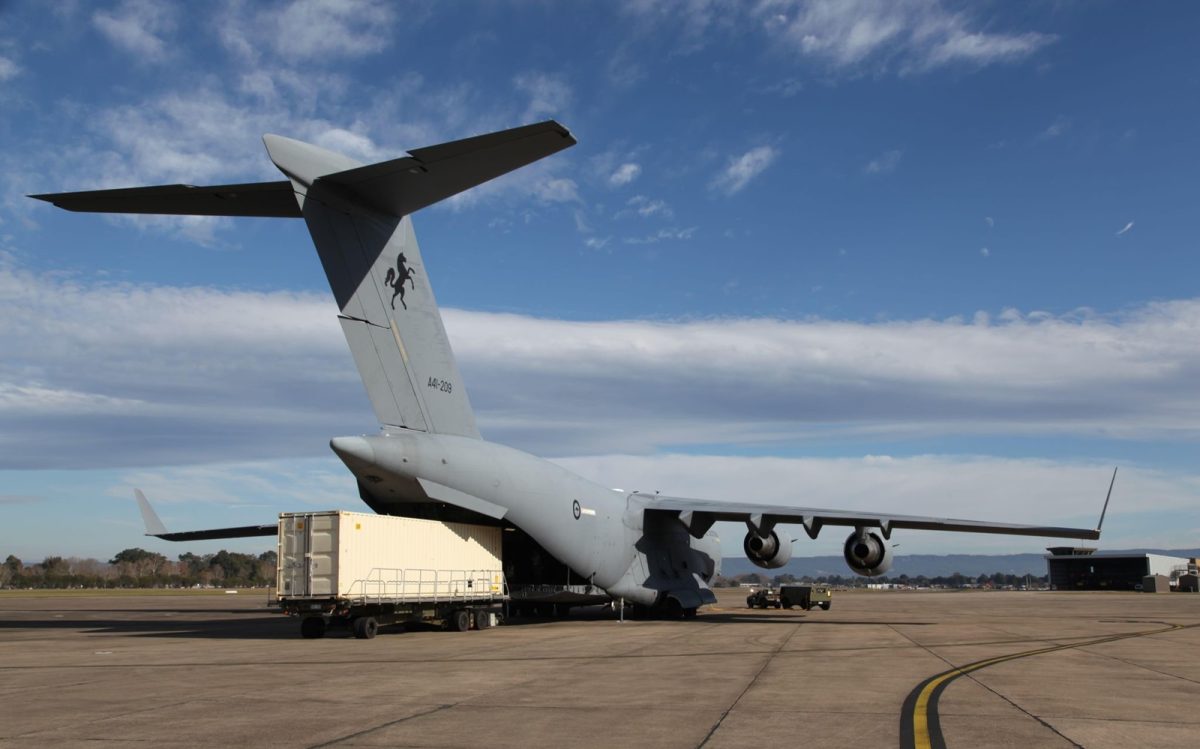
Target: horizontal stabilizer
(155, 527)
(268, 199)
(403, 186)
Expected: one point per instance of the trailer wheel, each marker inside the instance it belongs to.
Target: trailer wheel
(460, 621)
(483, 619)
(312, 627)
(365, 627)
(786, 603)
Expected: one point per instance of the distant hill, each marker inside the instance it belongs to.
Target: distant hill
(930, 565)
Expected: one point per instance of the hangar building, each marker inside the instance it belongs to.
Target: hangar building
(1075, 568)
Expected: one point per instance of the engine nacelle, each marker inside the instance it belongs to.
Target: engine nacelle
(767, 551)
(867, 553)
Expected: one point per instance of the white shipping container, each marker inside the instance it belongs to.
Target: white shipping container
(381, 557)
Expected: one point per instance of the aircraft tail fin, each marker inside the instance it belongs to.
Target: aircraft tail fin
(358, 217)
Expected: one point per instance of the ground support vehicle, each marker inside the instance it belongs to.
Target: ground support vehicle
(806, 597)
(363, 570)
(763, 598)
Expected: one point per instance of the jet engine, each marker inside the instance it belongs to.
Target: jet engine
(767, 551)
(867, 553)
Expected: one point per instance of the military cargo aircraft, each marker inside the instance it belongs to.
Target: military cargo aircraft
(428, 459)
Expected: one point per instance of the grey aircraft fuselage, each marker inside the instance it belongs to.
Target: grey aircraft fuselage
(602, 534)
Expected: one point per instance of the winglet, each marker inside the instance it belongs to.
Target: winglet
(154, 526)
(1106, 498)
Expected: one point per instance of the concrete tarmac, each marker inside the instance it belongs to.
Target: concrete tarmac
(226, 671)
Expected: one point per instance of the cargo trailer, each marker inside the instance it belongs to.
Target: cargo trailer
(364, 571)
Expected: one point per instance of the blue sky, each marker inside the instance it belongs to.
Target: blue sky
(918, 256)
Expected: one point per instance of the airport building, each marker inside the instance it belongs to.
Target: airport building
(1075, 568)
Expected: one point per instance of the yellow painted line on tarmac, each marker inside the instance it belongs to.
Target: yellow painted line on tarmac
(919, 726)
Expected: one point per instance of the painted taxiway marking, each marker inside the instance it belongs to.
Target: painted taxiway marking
(919, 724)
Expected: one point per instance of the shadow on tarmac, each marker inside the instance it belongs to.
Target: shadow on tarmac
(279, 627)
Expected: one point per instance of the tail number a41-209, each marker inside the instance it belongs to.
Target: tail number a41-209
(444, 386)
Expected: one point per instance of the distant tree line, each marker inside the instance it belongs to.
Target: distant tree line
(994, 580)
(138, 568)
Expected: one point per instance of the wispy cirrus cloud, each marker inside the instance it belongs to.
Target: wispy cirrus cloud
(741, 169)
(646, 207)
(911, 36)
(549, 94)
(1126, 229)
(310, 30)
(848, 36)
(885, 163)
(662, 235)
(139, 27)
(624, 174)
(9, 69)
(1055, 129)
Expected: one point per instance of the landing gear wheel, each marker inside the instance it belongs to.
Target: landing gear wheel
(483, 619)
(365, 627)
(312, 627)
(460, 621)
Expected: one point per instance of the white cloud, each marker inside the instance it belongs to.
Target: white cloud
(741, 169)
(991, 222)
(8, 69)
(105, 374)
(1127, 228)
(310, 30)
(647, 207)
(985, 252)
(1057, 128)
(787, 88)
(662, 234)
(549, 94)
(139, 27)
(913, 36)
(596, 243)
(885, 163)
(624, 174)
(557, 190)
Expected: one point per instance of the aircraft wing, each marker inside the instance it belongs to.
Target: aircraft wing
(698, 515)
(155, 527)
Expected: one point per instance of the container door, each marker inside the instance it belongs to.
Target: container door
(293, 556)
(322, 558)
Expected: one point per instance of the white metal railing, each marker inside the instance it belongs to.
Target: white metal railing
(434, 586)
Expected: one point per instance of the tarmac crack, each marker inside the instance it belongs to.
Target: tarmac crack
(754, 679)
(381, 726)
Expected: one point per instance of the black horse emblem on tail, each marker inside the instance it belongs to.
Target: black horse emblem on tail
(396, 278)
